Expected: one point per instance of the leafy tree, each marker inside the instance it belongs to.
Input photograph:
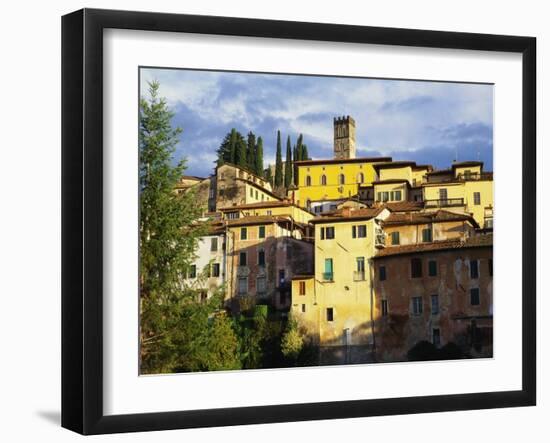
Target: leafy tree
(292, 342)
(175, 329)
(259, 160)
(278, 163)
(288, 164)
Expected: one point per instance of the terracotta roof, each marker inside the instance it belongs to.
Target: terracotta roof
(391, 180)
(345, 160)
(467, 163)
(404, 206)
(394, 164)
(429, 167)
(191, 177)
(416, 218)
(258, 220)
(441, 171)
(477, 241)
(273, 204)
(215, 227)
(345, 214)
(245, 169)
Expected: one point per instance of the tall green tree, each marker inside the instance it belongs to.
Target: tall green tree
(298, 155)
(251, 151)
(231, 149)
(241, 156)
(278, 163)
(259, 160)
(288, 164)
(305, 154)
(269, 176)
(226, 151)
(173, 326)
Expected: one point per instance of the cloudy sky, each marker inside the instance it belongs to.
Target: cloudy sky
(428, 122)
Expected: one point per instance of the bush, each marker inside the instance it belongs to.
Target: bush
(451, 351)
(292, 342)
(422, 351)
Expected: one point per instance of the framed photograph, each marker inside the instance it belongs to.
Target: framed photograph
(269, 221)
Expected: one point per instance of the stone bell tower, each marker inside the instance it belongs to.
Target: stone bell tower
(344, 137)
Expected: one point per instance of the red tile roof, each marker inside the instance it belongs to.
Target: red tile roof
(258, 220)
(346, 160)
(477, 241)
(404, 206)
(271, 204)
(415, 218)
(349, 214)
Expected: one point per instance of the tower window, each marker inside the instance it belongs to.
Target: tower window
(342, 179)
(323, 180)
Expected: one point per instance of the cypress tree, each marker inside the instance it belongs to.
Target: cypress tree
(251, 151)
(259, 159)
(278, 163)
(305, 154)
(228, 152)
(240, 153)
(268, 176)
(299, 155)
(288, 164)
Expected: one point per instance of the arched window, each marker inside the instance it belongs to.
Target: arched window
(341, 179)
(323, 180)
(360, 178)
(308, 181)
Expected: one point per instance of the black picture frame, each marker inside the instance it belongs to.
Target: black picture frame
(82, 218)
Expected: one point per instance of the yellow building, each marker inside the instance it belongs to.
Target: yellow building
(465, 187)
(334, 304)
(320, 180)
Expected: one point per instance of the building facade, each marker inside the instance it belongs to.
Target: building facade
(335, 303)
(206, 274)
(263, 254)
(440, 292)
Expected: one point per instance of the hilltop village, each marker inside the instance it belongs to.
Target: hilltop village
(369, 255)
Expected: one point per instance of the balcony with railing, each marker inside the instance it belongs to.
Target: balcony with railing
(358, 275)
(444, 202)
(474, 176)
